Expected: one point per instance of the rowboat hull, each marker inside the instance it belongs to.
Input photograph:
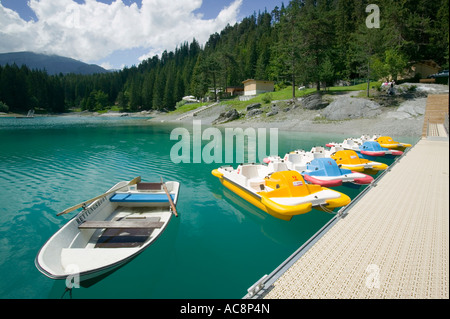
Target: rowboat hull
(107, 234)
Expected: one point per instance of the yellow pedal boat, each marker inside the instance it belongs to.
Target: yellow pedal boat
(388, 142)
(282, 194)
(349, 159)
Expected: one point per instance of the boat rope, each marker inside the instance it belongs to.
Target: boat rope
(327, 210)
(67, 290)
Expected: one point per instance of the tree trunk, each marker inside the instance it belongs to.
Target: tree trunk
(368, 78)
(293, 79)
(215, 86)
(293, 86)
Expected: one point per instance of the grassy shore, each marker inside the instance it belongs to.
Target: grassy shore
(402, 118)
(283, 94)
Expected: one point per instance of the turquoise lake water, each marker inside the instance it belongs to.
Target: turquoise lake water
(217, 247)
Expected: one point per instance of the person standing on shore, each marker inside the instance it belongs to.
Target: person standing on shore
(391, 88)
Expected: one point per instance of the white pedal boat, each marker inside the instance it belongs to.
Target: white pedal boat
(110, 231)
(366, 149)
(319, 168)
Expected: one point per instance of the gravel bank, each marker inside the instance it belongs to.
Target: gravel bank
(406, 119)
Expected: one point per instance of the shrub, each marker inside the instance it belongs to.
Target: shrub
(3, 107)
(267, 98)
(412, 88)
(180, 104)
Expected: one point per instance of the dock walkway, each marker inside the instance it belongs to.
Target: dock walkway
(435, 113)
(391, 243)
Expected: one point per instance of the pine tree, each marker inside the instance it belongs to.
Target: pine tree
(158, 89)
(122, 100)
(147, 90)
(366, 47)
(199, 84)
(285, 62)
(169, 89)
(135, 94)
(316, 30)
(327, 72)
(179, 86)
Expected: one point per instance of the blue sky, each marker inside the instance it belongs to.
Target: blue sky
(116, 33)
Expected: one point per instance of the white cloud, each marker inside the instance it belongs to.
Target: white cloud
(93, 30)
(107, 66)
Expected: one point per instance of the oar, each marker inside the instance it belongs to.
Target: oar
(174, 210)
(68, 210)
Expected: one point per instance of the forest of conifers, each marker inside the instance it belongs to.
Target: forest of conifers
(303, 42)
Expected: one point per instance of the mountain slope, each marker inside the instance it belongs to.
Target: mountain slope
(53, 64)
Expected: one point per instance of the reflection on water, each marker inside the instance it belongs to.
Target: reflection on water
(56, 122)
(217, 248)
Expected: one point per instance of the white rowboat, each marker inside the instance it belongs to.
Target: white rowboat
(110, 231)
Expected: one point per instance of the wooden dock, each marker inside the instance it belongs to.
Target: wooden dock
(391, 243)
(436, 110)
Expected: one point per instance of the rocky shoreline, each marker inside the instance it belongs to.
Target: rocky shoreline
(343, 114)
(340, 113)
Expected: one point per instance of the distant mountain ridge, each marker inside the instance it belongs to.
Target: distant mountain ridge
(53, 64)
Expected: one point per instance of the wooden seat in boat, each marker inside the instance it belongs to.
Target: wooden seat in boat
(136, 224)
(116, 236)
(123, 238)
(149, 186)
